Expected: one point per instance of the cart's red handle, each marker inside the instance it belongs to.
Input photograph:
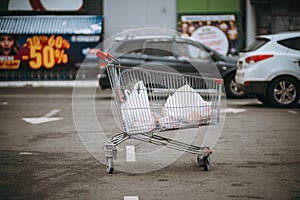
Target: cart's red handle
(101, 54)
(104, 55)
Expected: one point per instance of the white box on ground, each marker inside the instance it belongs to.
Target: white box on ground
(130, 153)
(131, 198)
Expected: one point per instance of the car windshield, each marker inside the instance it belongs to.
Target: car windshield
(158, 48)
(131, 46)
(259, 42)
(190, 51)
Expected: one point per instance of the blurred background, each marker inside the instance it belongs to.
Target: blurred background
(49, 39)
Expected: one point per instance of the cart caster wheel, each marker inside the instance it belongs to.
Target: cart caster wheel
(206, 163)
(200, 161)
(110, 165)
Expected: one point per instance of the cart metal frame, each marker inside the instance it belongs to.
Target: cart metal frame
(212, 88)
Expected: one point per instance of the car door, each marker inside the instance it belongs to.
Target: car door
(194, 60)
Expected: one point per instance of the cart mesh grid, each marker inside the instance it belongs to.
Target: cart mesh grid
(198, 102)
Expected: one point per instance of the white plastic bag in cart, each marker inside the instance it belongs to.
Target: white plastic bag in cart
(135, 111)
(187, 106)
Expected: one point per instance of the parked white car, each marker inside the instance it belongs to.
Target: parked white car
(269, 69)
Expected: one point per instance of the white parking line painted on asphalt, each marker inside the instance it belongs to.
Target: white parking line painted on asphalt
(232, 110)
(52, 112)
(4, 103)
(45, 118)
(27, 153)
(130, 153)
(131, 198)
(70, 83)
(293, 112)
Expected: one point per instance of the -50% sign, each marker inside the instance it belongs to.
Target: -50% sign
(46, 51)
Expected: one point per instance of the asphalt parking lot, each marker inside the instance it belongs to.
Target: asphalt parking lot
(42, 156)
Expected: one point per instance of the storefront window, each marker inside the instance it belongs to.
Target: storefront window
(277, 17)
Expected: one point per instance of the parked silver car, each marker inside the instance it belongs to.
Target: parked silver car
(270, 69)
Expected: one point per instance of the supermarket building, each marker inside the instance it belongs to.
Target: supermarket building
(52, 40)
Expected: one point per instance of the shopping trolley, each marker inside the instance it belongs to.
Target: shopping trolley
(152, 101)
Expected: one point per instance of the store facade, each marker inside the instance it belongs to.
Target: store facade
(270, 16)
(46, 47)
(49, 40)
(215, 24)
(249, 17)
(46, 50)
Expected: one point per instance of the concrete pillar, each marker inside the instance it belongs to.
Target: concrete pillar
(250, 23)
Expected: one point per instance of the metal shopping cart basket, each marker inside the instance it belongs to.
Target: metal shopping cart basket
(152, 101)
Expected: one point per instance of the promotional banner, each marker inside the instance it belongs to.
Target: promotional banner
(218, 32)
(40, 52)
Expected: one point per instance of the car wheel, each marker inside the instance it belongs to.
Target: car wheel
(232, 90)
(284, 92)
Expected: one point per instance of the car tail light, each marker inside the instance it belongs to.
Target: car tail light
(247, 83)
(257, 58)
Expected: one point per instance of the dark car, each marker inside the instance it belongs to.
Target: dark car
(179, 53)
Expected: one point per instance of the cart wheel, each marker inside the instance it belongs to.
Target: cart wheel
(206, 163)
(203, 162)
(200, 161)
(110, 165)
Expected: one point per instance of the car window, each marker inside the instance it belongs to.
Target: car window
(293, 43)
(161, 48)
(259, 42)
(131, 46)
(190, 51)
